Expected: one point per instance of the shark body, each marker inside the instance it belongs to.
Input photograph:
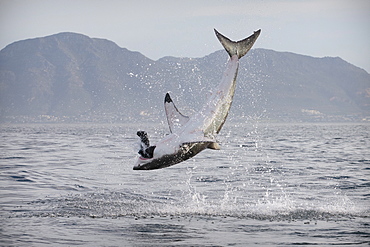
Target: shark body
(189, 136)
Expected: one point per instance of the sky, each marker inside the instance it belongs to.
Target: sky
(158, 28)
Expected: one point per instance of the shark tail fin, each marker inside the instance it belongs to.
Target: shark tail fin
(239, 48)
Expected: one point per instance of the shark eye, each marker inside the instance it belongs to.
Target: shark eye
(185, 147)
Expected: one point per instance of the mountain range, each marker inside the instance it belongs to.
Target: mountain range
(70, 76)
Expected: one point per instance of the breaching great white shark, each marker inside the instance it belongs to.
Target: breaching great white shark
(189, 136)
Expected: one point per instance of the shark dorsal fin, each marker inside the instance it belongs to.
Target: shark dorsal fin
(175, 119)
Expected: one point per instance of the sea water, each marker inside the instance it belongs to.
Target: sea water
(270, 184)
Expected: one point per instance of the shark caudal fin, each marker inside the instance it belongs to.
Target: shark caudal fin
(239, 48)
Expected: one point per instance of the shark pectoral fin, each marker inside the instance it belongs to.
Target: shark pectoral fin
(214, 146)
(175, 119)
(146, 151)
(143, 138)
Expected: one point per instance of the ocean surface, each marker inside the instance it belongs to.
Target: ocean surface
(270, 185)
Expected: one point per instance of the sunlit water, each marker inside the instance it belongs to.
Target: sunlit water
(271, 184)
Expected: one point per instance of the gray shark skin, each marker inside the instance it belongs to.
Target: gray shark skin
(189, 136)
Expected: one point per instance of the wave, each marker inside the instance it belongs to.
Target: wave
(115, 205)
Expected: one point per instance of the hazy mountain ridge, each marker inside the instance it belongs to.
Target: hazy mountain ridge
(72, 75)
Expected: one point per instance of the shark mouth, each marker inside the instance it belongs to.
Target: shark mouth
(142, 158)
